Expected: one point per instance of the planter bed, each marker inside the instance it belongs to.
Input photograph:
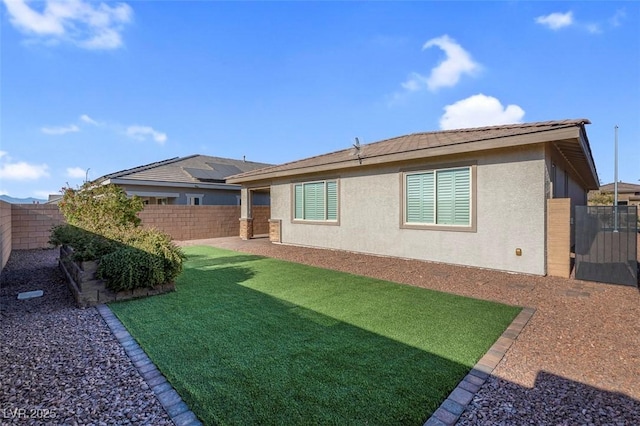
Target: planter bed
(88, 290)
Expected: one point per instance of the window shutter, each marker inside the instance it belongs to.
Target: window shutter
(429, 198)
(332, 200)
(414, 198)
(462, 197)
(420, 199)
(444, 188)
(314, 201)
(299, 202)
(454, 196)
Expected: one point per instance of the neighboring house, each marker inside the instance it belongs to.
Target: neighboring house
(628, 193)
(474, 197)
(192, 180)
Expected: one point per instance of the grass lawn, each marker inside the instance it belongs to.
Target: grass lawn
(252, 340)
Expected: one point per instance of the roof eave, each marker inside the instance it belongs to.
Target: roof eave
(199, 185)
(569, 132)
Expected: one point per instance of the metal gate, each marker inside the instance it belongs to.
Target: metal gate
(607, 244)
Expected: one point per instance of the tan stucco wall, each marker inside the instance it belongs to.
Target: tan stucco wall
(510, 214)
(5, 232)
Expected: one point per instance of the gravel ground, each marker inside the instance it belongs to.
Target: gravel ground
(60, 364)
(576, 362)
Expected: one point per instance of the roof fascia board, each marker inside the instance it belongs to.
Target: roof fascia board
(199, 185)
(584, 145)
(572, 132)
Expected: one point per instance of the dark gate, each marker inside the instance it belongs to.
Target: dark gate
(607, 244)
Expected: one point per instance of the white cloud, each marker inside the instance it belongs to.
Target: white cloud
(478, 111)
(616, 19)
(85, 118)
(556, 20)
(23, 171)
(594, 28)
(141, 133)
(447, 74)
(76, 172)
(457, 63)
(86, 24)
(60, 130)
(3, 153)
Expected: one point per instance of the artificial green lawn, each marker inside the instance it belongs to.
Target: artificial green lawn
(253, 340)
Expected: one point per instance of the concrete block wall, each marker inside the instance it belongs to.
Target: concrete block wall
(5, 232)
(31, 225)
(261, 216)
(28, 226)
(193, 222)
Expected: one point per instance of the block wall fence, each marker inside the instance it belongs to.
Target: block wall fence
(5, 232)
(27, 226)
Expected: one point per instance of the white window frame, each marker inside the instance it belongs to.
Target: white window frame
(469, 227)
(191, 199)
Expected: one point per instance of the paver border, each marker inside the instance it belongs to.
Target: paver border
(447, 414)
(452, 408)
(171, 401)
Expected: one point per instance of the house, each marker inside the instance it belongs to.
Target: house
(192, 180)
(475, 197)
(628, 193)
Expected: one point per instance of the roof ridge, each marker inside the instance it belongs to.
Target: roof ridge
(143, 167)
(172, 160)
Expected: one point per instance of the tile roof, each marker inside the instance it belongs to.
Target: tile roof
(191, 169)
(622, 187)
(418, 145)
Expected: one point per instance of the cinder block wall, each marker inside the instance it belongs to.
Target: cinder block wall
(261, 216)
(5, 232)
(28, 226)
(31, 225)
(193, 222)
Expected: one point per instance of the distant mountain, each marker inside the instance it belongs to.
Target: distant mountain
(13, 200)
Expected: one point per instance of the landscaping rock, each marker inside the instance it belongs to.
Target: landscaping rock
(60, 364)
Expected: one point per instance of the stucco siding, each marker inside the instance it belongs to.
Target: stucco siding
(210, 197)
(510, 203)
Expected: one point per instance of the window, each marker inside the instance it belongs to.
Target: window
(194, 199)
(316, 201)
(438, 197)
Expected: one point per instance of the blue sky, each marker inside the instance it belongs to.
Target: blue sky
(105, 86)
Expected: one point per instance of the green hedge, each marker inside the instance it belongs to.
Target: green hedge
(127, 259)
(102, 225)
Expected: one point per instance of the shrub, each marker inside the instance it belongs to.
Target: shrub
(146, 258)
(100, 208)
(102, 224)
(86, 245)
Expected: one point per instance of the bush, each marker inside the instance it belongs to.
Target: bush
(147, 258)
(86, 245)
(102, 224)
(100, 208)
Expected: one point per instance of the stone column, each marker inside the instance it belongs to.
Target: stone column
(246, 228)
(246, 220)
(274, 230)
